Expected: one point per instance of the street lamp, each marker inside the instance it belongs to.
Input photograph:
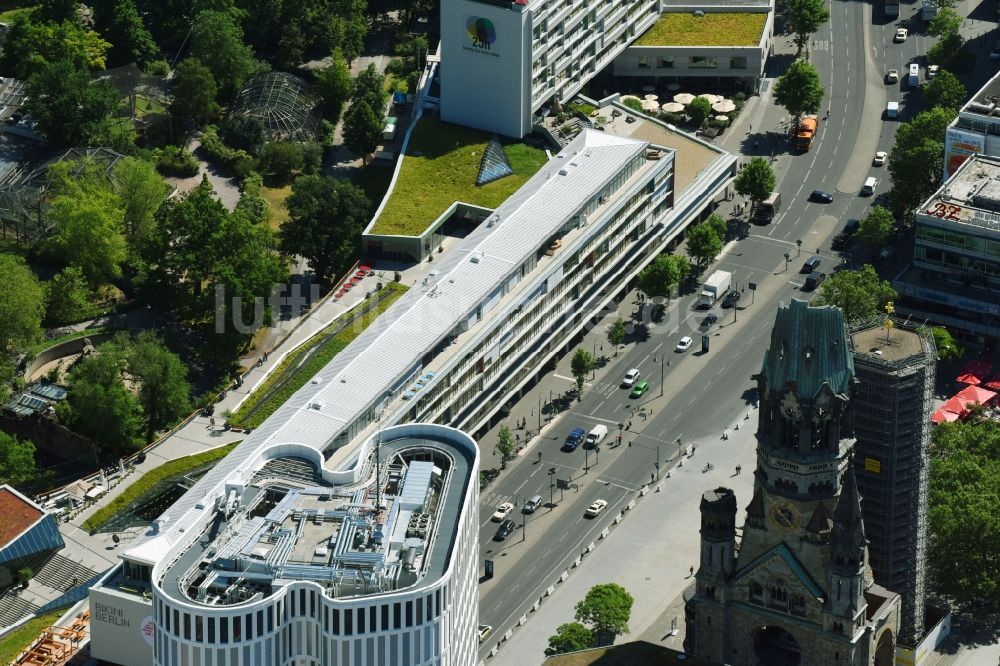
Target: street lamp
(798, 247)
(787, 257)
(661, 364)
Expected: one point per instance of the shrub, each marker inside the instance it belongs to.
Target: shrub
(158, 68)
(244, 132)
(398, 67)
(312, 157)
(176, 161)
(633, 104)
(413, 81)
(279, 159)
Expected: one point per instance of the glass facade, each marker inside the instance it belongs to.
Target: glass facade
(44, 535)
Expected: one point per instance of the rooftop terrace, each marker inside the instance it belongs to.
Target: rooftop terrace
(973, 191)
(439, 168)
(710, 29)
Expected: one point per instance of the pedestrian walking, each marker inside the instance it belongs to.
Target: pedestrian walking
(739, 468)
(691, 570)
(212, 422)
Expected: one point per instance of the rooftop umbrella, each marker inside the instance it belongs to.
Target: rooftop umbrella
(673, 107)
(724, 106)
(684, 98)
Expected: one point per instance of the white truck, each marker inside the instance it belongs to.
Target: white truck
(715, 287)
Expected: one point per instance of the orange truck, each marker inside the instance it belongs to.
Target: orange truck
(806, 132)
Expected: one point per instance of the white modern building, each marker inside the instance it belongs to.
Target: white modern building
(976, 130)
(502, 61)
(273, 559)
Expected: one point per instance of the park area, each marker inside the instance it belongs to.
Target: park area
(710, 29)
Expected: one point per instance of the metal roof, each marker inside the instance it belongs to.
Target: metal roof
(392, 348)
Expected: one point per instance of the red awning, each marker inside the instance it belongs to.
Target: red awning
(975, 394)
(969, 378)
(955, 406)
(944, 415)
(993, 384)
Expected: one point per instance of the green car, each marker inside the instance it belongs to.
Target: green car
(639, 388)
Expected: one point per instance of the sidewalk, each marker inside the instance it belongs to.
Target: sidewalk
(649, 553)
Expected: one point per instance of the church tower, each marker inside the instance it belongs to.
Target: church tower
(797, 588)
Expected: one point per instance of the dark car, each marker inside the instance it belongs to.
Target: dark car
(851, 226)
(814, 280)
(574, 439)
(820, 196)
(709, 320)
(504, 531)
(731, 299)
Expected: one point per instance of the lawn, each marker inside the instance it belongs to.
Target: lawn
(275, 197)
(289, 376)
(144, 483)
(440, 168)
(23, 636)
(45, 344)
(8, 16)
(712, 29)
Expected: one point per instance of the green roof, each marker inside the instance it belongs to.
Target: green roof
(808, 349)
(712, 29)
(440, 167)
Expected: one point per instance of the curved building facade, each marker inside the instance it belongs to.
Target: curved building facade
(378, 566)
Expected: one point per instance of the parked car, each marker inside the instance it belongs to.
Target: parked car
(880, 158)
(814, 280)
(574, 439)
(595, 509)
(995, 54)
(901, 34)
(504, 531)
(731, 299)
(886, 253)
(484, 631)
(710, 320)
(932, 71)
(639, 389)
(502, 512)
(684, 344)
(820, 196)
(532, 504)
(631, 377)
(852, 226)
(892, 76)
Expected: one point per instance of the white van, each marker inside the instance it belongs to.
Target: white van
(892, 110)
(868, 188)
(595, 436)
(914, 74)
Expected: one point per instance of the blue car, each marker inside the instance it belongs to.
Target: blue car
(574, 439)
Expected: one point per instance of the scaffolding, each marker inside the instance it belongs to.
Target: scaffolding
(893, 402)
(283, 103)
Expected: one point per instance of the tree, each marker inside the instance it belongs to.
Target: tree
(946, 22)
(755, 181)
(570, 637)
(279, 159)
(703, 244)
(945, 91)
(244, 133)
(334, 86)
(31, 43)
(917, 162)
(362, 128)
(68, 297)
(944, 52)
(505, 443)
(325, 219)
(69, 110)
(217, 40)
(799, 89)
(120, 23)
(581, 364)
(963, 522)
(58, 10)
(90, 228)
(162, 379)
(22, 303)
(17, 459)
(947, 348)
(195, 91)
(877, 227)
(662, 274)
(698, 110)
(805, 17)
(141, 191)
(860, 294)
(607, 609)
(370, 87)
(99, 406)
(616, 334)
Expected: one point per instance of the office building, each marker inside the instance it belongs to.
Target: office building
(955, 274)
(501, 62)
(274, 559)
(895, 369)
(976, 129)
(797, 588)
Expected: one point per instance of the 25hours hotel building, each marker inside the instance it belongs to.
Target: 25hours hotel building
(307, 520)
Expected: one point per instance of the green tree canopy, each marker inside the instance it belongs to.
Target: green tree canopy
(946, 22)
(703, 244)
(217, 41)
(570, 637)
(279, 159)
(162, 378)
(616, 333)
(505, 443)
(69, 110)
(755, 181)
(142, 191)
(917, 162)
(606, 608)
(662, 274)
(947, 348)
(195, 91)
(945, 91)
(860, 294)
(30, 43)
(325, 219)
(334, 86)
(877, 227)
(292, 28)
(99, 406)
(699, 109)
(120, 23)
(22, 303)
(580, 365)
(963, 520)
(805, 17)
(799, 89)
(370, 87)
(362, 128)
(945, 51)
(68, 297)
(17, 459)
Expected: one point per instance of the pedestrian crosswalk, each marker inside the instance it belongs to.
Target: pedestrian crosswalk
(493, 499)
